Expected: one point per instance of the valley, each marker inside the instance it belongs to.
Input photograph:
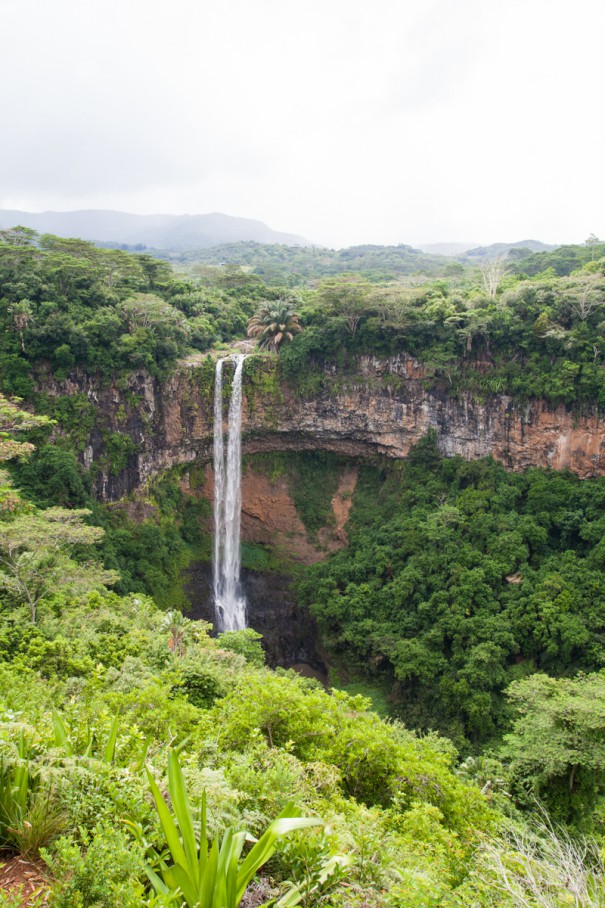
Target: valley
(420, 536)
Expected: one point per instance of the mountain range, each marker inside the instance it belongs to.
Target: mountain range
(473, 250)
(182, 232)
(154, 231)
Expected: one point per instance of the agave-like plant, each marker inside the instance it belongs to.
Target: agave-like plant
(64, 739)
(210, 877)
(17, 783)
(29, 813)
(274, 324)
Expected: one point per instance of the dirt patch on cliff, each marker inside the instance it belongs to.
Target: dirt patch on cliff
(269, 517)
(334, 538)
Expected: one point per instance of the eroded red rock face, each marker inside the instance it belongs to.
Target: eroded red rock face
(269, 515)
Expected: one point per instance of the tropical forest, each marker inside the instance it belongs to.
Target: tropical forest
(302, 576)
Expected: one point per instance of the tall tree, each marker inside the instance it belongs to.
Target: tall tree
(492, 271)
(346, 297)
(13, 419)
(35, 556)
(557, 747)
(21, 313)
(592, 242)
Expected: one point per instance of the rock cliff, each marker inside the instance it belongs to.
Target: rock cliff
(383, 408)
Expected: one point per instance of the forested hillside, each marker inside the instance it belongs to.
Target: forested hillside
(67, 303)
(100, 695)
(465, 603)
(460, 578)
(295, 265)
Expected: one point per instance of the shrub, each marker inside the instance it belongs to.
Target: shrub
(246, 643)
(105, 875)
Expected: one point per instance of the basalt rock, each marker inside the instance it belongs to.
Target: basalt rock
(382, 409)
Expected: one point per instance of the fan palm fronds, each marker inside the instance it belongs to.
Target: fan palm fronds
(274, 324)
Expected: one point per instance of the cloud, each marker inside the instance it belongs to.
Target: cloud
(344, 121)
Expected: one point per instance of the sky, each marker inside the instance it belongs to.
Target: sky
(346, 121)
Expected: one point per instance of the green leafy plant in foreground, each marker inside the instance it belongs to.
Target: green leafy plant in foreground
(211, 877)
(29, 814)
(15, 786)
(63, 739)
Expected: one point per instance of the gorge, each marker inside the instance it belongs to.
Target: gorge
(422, 530)
(373, 414)
(381, 409)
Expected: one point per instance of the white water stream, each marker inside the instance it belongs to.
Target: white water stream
(229, 601)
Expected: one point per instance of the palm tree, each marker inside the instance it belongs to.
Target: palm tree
(274, 324)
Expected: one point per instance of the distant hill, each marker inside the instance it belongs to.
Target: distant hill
(450, 249)
(152, 231)
(497, 249)
(560, 261)
(459, 250)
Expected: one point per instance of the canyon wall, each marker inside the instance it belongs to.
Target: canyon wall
(381, 409)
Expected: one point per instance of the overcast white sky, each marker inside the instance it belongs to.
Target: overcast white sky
(347, 121)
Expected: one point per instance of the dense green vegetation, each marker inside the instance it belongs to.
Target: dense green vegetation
(100, 687)
(529, 338)
(460, 578)
(107, 657)
(149, 554)
(295, 265)
(560, 261)
(97, 691)
(67, 304)
(472, 600)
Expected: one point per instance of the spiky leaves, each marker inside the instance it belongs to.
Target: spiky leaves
(210, 877)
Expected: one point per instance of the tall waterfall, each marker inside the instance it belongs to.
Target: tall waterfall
(229, 601)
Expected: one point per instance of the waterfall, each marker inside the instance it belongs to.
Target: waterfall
(219, 481)
(229, 602)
